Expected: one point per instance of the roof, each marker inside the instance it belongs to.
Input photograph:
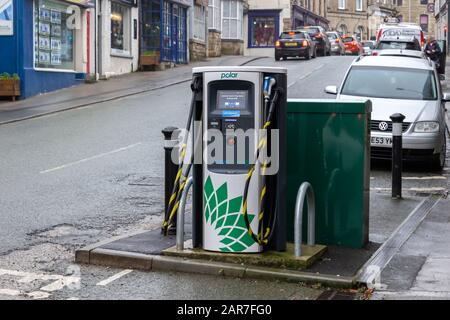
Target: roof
(238, 69)
(400, 52)
(394, 62)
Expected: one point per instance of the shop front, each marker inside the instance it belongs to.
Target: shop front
(163, 29)
(303, 17)
(49, 44)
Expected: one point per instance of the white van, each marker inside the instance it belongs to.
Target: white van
(401, 30)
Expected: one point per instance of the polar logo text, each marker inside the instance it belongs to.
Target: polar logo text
(229, 75)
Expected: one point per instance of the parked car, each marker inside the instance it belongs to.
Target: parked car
(294, 44)
(401, 29)
(319, 36)
(368, 46)
(337, 46)
(352, 45)
(397, 43)
(409, 86)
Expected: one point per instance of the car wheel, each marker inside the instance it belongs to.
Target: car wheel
(438, 161)
(284, 58)
(314, 53)
(329, 52)
(277, 58)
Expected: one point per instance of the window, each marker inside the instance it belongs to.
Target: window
(359, 5)
(342, 29)
(424, 22)
(120, 28)
(399, 3)
(263, 29)
(390, 83)
(423, 1)
(151, 30)
(199, 23)
(214, 14)
(341, 4)
(232, 13)
(53, 38)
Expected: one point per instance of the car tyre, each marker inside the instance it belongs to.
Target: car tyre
(277, 58)
(314, 53)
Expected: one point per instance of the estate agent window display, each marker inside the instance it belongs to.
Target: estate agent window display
(53, 39)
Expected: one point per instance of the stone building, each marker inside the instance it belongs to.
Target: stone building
(348, 16)
(441, 20)
(418, 11)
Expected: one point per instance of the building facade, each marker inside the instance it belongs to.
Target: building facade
(418, 11)
(441, 20)
(118, 37)
(49, 44)
(348, 17)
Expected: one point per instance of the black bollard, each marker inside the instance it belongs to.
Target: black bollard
(397, 131)
(170, 167)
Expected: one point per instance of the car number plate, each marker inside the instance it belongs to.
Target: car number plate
(290, 44)
(381, 141)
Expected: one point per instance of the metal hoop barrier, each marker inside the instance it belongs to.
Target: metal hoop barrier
(305, 191)
(180, 214)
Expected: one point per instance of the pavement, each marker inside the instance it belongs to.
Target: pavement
(74, 178)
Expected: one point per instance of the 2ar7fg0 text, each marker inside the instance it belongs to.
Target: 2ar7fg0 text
(246, 309)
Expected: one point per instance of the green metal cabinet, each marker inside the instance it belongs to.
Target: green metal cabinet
(328, 145)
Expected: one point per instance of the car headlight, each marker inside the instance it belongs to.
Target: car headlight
(426, 126)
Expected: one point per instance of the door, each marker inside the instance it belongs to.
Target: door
(174, 33)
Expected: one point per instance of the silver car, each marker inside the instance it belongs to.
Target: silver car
(409, 86)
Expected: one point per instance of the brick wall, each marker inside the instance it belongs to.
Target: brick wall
(214, 43)
(232, 47)
(197, 50)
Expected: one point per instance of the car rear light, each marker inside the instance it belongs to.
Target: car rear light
(337, 41)
(379, 34)
(318, 36)
(374, 53)
(422, 39)
(304, 43)
(277, 44)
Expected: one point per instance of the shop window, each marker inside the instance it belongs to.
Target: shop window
(199, 23)
(53, 39)
(214, 14)
(232, 14)
(120, 28)
(151, 30)
(341, 4)
(263, 29)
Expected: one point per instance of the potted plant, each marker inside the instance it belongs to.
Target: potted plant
(149, 58)
(9, 85)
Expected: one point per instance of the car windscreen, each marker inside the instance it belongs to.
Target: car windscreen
(368, 45)
(347, 39)
(390, 83)
(403, 45)
(332, 35)
(292, 35)
(311, 31)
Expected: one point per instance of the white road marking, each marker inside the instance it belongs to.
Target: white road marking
(73, 298)
(61, 283)
(306, 75)
(9, 292)
(114, 277)
(38, 295)
(91, 158)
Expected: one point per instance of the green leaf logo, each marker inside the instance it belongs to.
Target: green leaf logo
(226, 218)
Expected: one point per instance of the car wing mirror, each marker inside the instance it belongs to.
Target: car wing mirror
(446, 96)
(442, 77)
(332, 90)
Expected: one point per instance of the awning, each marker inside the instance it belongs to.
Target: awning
(82, 3)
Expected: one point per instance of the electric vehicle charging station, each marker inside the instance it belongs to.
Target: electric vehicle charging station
(236, 206)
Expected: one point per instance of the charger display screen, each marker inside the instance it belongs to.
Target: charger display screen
(232, 99)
